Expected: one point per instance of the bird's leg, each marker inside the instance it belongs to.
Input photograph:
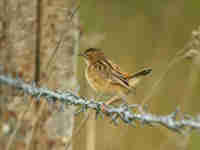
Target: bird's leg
(124, 100)
(111, 101)
(99, 95)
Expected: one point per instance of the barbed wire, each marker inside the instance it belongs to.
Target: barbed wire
(129, 114)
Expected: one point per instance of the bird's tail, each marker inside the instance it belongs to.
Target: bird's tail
(136, 77)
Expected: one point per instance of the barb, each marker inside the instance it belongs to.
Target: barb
(124, 112)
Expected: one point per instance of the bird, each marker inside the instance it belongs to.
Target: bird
(106, 77)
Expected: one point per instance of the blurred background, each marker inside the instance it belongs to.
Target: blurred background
(137, 34)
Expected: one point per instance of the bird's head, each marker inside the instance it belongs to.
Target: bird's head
(92, 55)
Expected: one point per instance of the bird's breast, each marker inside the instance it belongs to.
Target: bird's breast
(95, 80)
(100, 82)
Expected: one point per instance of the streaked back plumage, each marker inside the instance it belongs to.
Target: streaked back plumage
(101, 68)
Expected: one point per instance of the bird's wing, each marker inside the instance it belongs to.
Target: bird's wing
(115, 74)
(124, 78)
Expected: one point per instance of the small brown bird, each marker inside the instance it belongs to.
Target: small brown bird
(107, 78)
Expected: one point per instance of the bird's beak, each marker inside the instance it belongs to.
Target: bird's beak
(81, 54)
